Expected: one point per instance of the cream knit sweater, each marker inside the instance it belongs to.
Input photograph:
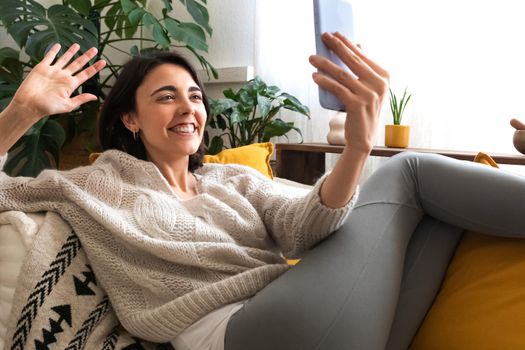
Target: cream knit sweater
(166, 262)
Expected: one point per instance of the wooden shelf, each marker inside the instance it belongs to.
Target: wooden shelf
(305, 162)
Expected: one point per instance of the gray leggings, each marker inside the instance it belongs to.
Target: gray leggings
(361, 288)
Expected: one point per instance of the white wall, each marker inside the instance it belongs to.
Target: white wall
(233, 24)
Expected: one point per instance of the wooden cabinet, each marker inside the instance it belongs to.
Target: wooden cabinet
(305, 162)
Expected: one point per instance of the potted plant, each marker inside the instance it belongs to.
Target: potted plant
(250, 116)
(397, 135)
(104, 24)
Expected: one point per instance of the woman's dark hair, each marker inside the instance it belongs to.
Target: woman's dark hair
(113, 133)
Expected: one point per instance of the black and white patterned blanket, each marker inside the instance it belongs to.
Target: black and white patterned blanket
(58, 303)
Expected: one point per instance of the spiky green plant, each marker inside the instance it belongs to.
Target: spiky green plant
(398, 107)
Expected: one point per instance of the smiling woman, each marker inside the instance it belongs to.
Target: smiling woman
(146, 95)
(190, 253)
(164, 232)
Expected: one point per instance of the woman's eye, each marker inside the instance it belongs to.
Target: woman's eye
(167, 98)
(196, 97)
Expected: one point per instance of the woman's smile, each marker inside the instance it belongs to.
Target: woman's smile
(185, 129)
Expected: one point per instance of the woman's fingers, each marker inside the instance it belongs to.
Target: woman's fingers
(51, 54)
(342, 76)
(343, 93)
(348, 53)
(78, 100)
(364, 81)
(357, 50)
(90, 71)
(81, 61)
(63, 60)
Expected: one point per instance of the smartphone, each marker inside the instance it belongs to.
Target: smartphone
(332, 16)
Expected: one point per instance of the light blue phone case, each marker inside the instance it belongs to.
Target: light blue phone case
(332, 16)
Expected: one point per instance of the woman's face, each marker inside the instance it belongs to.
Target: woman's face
(169, 112)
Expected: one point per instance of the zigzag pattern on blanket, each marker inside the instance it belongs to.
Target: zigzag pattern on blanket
(65, 308)
(43, 288)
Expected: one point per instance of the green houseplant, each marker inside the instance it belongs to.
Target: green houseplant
(397, 135)
(105, 24)
(397, 106)
(250, 115)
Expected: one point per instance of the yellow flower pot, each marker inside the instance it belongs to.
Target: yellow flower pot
(397, 136)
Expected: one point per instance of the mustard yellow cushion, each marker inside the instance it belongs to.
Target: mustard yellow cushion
(256, 155)
(481, 304)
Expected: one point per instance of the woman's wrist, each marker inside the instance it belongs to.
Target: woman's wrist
(358, 149)
(15, 120)
(22, 113)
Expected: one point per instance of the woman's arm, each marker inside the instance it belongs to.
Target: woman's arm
(46, 91)
(363, 97)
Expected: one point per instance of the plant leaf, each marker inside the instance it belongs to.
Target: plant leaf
(101, 3)
(5, 101)
(199, 14)
(292, 103)
(265, 104)
(167, 5)
(82, 6)
(188, 33)
(229, 94)
(238, 116)
(220, 106)
(11, 75)
(127, 6)
(135, 16)
(277, 127)
(11, 69)
(271, 91)
(247, 98)
(204, 63)
(217, 144)
(33, 150)
(36, 29)
(159, 34)
(221, 122)
(113, 14)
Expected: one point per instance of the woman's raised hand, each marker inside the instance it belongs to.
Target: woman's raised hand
(48, 87)
(47, 90)
(362, 94)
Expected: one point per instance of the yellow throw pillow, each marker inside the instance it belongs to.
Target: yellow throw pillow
(481, 304)
(256, 155)
(93, 157)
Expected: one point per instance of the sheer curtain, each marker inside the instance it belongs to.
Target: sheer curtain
(284, 38)
(462, 60)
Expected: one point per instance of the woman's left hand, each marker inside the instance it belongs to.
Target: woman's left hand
(362, 94)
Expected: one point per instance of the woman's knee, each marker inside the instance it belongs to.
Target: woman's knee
(397, 176)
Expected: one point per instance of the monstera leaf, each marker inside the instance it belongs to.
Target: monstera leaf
(34, 151)
(11, 74)
(36, 28)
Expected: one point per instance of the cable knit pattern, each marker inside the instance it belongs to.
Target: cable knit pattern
(166, 262)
